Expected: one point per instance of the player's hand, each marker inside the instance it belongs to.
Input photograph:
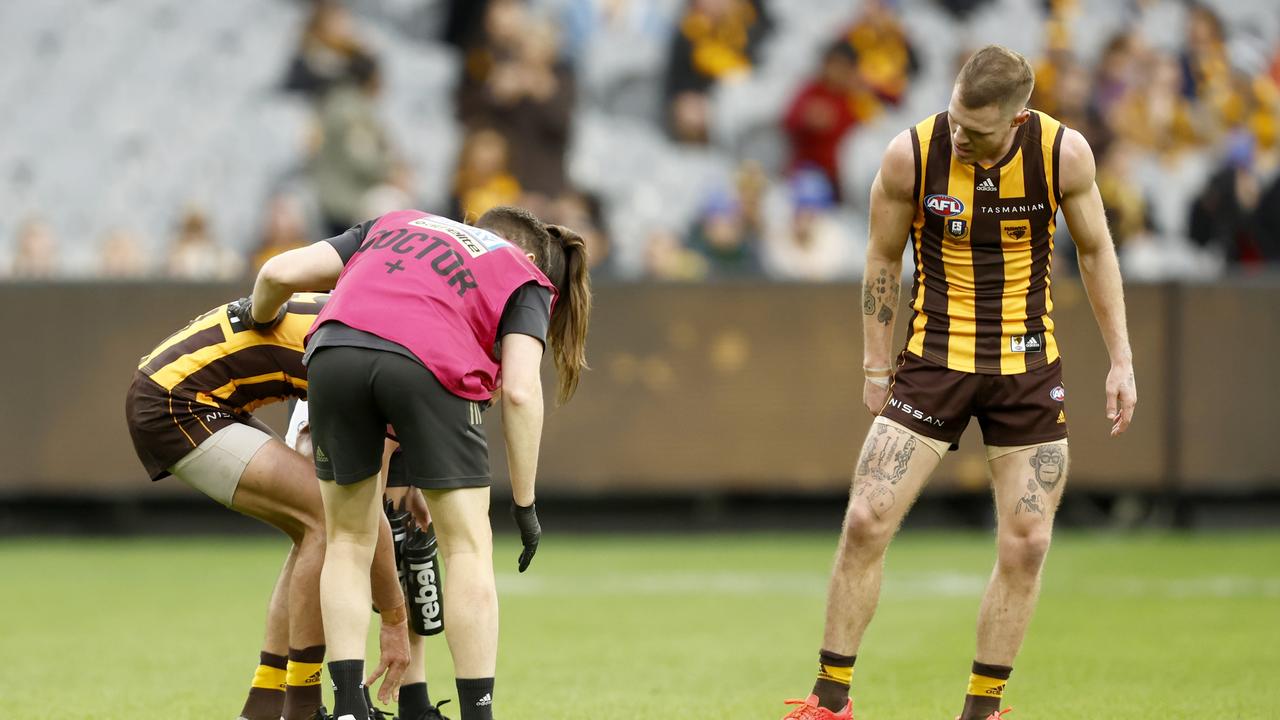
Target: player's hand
(242, 312)
(874, 396)
(417, 507)
(393, 660)
(1122, 397)
(530, 531)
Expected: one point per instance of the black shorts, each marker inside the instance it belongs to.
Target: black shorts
(356, 393)
(936, 401)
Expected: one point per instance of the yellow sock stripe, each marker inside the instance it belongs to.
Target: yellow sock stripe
(268, 678)
(984, 686)
(842, 675)
(303, 674)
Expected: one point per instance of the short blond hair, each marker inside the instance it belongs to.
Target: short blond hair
(995, 75)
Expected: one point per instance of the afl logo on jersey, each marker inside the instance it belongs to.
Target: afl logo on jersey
(944, 205)
(1058, 393)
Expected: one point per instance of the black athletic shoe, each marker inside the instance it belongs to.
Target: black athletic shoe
(321, 714)
(432, 713)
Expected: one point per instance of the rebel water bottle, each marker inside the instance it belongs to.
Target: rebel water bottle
(421, 565)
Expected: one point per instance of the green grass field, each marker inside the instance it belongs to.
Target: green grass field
(675, 627)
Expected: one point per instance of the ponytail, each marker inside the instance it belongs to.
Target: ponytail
(572, 312)
(561, 255)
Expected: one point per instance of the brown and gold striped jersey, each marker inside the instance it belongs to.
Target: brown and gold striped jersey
(983, 245)
(215, 362)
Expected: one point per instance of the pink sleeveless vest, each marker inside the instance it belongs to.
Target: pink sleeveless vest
(438, 288)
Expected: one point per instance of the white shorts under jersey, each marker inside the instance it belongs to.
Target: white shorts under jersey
(297, 421)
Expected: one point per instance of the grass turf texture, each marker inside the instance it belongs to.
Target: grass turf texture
(1148, 626)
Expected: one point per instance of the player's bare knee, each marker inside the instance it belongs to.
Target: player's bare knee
(865, 529)
(312, 535)
(1022, 550)
(466, 541)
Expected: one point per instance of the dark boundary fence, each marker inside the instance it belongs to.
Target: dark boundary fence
(706, 403)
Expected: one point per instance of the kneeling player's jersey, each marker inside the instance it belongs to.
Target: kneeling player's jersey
(983, 244)
(217, 362)
(211, 373)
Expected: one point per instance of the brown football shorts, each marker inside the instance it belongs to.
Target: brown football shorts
(165, 428)
(1024, 409)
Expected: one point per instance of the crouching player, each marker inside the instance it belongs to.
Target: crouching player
(416, 559)
(189, 414)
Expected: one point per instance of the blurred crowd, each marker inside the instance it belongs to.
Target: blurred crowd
(1206, 117)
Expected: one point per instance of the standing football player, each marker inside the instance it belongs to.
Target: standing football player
(976, 188)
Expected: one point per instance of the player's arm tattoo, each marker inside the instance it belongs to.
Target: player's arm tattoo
(882, 291)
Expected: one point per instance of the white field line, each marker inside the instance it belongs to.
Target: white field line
(900, 585)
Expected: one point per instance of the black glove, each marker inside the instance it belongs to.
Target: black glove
(530, 531)
(241, 314)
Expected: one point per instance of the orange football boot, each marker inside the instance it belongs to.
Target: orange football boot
(809, 709)
(999, 715)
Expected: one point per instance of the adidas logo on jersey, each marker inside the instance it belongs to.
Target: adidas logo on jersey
(987, 185)
(1026, 343)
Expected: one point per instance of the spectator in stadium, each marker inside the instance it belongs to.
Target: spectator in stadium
(962, 9)
(666, 259)
(425, 363)
(751, 181)
(1155, 115)
(1074, 103)
(813, 246)
(395, 193)
(284, 228)
(528, 97)
(722, 237)
(1117, 72)
(494, 40)
(194, 254)
(714, 41)
(1206, 69)
(624, 23)
(886, 59)
(483, 179)
(121, 256)
(463, 24)
(824, 111)
(1128, 215)
(1231, 213)
(355, 153)
(35, 253)
(328, 52)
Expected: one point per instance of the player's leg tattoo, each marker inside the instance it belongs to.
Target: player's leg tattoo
(1028, 486)
(887, 478)
(885, 457)
(1049, 467)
